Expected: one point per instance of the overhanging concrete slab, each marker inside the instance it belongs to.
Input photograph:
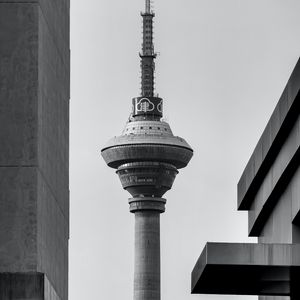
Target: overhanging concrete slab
(271, 141)
(246, 269)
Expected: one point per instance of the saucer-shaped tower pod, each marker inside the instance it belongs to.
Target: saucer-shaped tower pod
(147, 157)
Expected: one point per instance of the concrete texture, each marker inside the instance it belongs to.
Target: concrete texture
(24, 286)
(18, 219)
(53, 144)
(282, 225)
(268, 146)
(18, 84)
(276, 180)
(252, 269)
(34, 128)
(52, 240)
(147, 256)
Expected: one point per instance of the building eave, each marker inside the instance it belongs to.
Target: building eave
(246, 269)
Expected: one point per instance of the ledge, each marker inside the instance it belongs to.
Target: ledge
(247, 269)
(269, 145)
(278, 178)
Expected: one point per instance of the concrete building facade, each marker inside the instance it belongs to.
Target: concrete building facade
(269, 189)
(34, 149)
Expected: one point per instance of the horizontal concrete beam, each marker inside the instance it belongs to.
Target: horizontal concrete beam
(246, 269)
(275, 181)
(268, 147)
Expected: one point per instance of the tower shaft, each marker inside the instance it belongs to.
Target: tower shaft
(147, 212)
(147, 256)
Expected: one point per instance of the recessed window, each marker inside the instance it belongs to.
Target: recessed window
(142, 127)
(158, 128)
(150, 127)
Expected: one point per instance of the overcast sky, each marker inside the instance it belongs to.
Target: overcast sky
(222, 67)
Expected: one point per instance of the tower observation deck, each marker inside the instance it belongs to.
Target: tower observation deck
(147, 157)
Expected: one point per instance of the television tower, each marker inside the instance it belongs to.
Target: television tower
(147, 157)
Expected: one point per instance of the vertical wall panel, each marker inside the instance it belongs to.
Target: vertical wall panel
(34, 148)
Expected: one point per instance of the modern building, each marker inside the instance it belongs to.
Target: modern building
(147, 157)
(34, 149)
(269, 190)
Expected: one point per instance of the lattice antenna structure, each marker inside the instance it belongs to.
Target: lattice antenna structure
(147, 54)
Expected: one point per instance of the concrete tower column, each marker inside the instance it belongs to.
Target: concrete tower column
(34, 149)
(147, 247)
(147, 256)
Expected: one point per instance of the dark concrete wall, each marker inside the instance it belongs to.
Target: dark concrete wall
(18, 219)
(34, 148)
(18, 84)
(280, 223)
(269, 144)
(18, 134)
(275, 187)
(22, 286)
(53, 144)
(270, 185)
(280, 226)
(26, 286)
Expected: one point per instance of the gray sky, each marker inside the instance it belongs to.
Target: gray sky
(222, 68)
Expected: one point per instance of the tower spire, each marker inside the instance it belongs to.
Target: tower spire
(148, 6)
(147, 55)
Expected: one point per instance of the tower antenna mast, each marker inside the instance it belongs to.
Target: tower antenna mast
(147, 55)
(148, 6)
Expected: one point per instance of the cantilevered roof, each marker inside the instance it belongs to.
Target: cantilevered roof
(247, 269)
